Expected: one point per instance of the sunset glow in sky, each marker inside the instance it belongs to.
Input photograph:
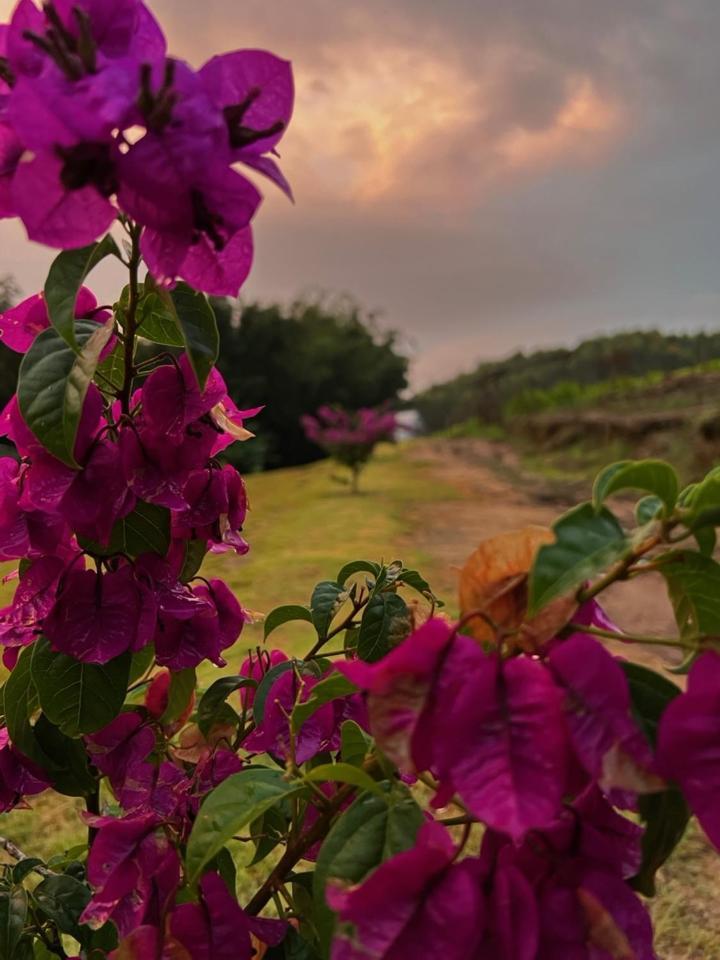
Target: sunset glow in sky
(489, 176)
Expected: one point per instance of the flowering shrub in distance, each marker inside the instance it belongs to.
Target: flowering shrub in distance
(503, 787)
(350, 437)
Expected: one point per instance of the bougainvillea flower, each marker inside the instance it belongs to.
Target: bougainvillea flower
(500, 740)
(118, 30)
(255, 91)
(217, 507)
(134, 871)
(21, 324)
(21, 621)
(14, 428)
(172, 399)
(419, 903)
(217, 928)
(598, 710)
(255, 666)
(688, 739)
(98, 495)
(58, 215)
(97, 616)
(510, 897)
(121, 746)
(317, 734)
(157, 697)
(173, 598)
(184, 643)
(19, 777)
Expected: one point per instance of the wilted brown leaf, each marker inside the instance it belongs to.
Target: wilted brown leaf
(494, 581)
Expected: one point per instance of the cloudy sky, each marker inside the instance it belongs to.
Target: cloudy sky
(488, 175)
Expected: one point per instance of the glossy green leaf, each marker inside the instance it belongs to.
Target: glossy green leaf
(195, 552)
(285, 614)
(145, 530)
(156, 317)
(13, 914)
(197, 323)
(62, 899)
(651, 476)
(701, 504)
(328, 596)
(79, 698)
(371, 831)
(213, 708)
(355, 744)
(355, 567)
(379, 621)
(331, 688)
(141, 662)
(67, 273)
(587, 543)
(665, 816)
(694, 586)
(20, 701)
(180, 693)
(53, 383)
(239, 800)
(110, 372)
(648, 509)
(64, 759)
(415, 580)
(345, 773)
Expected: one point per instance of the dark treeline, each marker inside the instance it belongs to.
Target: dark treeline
(295, 358)
(486, 392)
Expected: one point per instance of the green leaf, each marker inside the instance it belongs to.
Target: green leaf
(145, 530)
(358, 566)
(13, 914)
(293, 947)
(156, 317)
(141, 662)
(20, 701)
(25, 867)
(62, 899)
(377, 625)
(415, 580)
(355, 744)
(331, 688)
(587, 542)
(650, 694)
(79, 698)
(666, 816)
(648, 509)
(239, 800)
(706, 539)
(281, 615)
(328, 596)
(701, 503)
(195, 551)
(65, 760)
(213, 708)
(67, 273)
(182, 687)
(651, 476)
(53, 383)
(694, 586)
(345, 773)
(196, 320)
(371, 831)
(110, 372)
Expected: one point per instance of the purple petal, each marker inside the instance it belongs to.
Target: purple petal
(53, 215)
(219, 273)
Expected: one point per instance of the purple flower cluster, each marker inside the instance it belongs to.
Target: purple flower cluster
(333, 427)
(90, 598)
(513, 739)
(96, 119)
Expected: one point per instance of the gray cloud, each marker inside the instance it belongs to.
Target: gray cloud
(490, 175)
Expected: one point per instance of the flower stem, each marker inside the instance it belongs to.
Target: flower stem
(130, 319)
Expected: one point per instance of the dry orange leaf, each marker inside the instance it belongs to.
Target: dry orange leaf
(494, 581)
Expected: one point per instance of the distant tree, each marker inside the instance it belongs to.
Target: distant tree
(298, 358)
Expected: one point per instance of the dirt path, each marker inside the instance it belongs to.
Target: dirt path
(492, 498)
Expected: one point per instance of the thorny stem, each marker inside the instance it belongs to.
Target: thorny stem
(130, 319)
